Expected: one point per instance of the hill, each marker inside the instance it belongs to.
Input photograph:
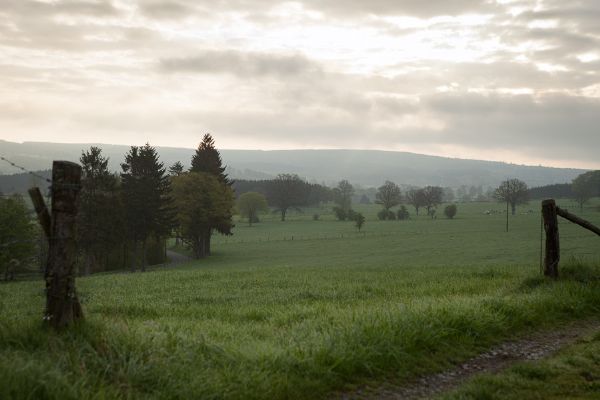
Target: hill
(363, 167)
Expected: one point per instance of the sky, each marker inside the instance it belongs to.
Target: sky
(506, 80)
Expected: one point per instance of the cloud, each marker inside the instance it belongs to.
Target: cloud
(241, 64)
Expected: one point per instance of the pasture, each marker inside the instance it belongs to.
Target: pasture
(268, 316)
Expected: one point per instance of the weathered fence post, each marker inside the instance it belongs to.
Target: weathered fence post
(62, 304)
(552, 256)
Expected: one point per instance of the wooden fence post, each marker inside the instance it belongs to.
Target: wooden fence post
(62, 304)
(552, 256)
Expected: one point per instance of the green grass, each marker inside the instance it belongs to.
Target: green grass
(299, 318)
(574, 373)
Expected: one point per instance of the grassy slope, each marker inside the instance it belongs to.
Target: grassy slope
(572, 374)
(296, 319)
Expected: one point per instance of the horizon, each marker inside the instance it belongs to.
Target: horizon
(312, 149)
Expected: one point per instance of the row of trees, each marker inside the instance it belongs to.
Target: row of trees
(144, 205)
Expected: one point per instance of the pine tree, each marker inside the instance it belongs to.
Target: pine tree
(176, 169)
(146, 197)
(99, 222)
(208, 160)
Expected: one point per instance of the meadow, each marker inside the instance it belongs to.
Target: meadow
(303, 309)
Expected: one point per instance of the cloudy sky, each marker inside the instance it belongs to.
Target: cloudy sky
(508, 80)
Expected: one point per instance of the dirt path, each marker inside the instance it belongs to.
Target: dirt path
(176, 258)
(532, 347)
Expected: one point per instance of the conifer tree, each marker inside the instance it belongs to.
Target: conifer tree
(208, 160)
(146, 197)
(99, 217)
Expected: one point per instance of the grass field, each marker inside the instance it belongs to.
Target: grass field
(271, 317)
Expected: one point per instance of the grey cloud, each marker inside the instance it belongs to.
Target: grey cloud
(33, 8)
(551, 126)
(341, 8)
(161, 9)
(241, 64)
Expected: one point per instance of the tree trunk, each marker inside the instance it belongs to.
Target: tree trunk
(283, 211)
(62, 303)
(207, 243)
(88, 264)
(134, 256)
(513, 208)
(144, 255)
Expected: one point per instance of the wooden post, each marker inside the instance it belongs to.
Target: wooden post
(62, 304)
(552, 256)
(40, 209)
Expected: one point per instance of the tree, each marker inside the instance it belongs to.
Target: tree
(586, 186)
(403, 213)
(513, 192)
(342, 195)
(176, 169)
(250, 204)
(146, 193)
(450, 211)
(286, 191)
(388, 195)
(208, 159)
(416, 198)
(17, 235)
(99, 218)
(201, 201)
(432, 197)
(359, 221)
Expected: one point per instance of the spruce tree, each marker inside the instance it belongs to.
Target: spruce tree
(208, 160)
(146, 197)
(99, 222)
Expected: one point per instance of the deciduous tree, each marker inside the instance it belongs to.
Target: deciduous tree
(250, 204)
(513, 192)
(17, 235)
(432, 197)
(342, 195)
(388, 195)
(201, 201)
(416, 198)
(286, 191)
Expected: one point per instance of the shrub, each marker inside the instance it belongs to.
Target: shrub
(352, 215)
(386, 215)
(403, 213)
(316, 217)
(450, 211)
(359, 220)
(340, 213)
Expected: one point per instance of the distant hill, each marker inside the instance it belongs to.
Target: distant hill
(362, 167)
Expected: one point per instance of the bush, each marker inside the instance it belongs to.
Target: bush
(316, 217)
(340, 213)
(450, 211)
(352, 215)
(386, 215)
(359, 220)
(403, 213)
